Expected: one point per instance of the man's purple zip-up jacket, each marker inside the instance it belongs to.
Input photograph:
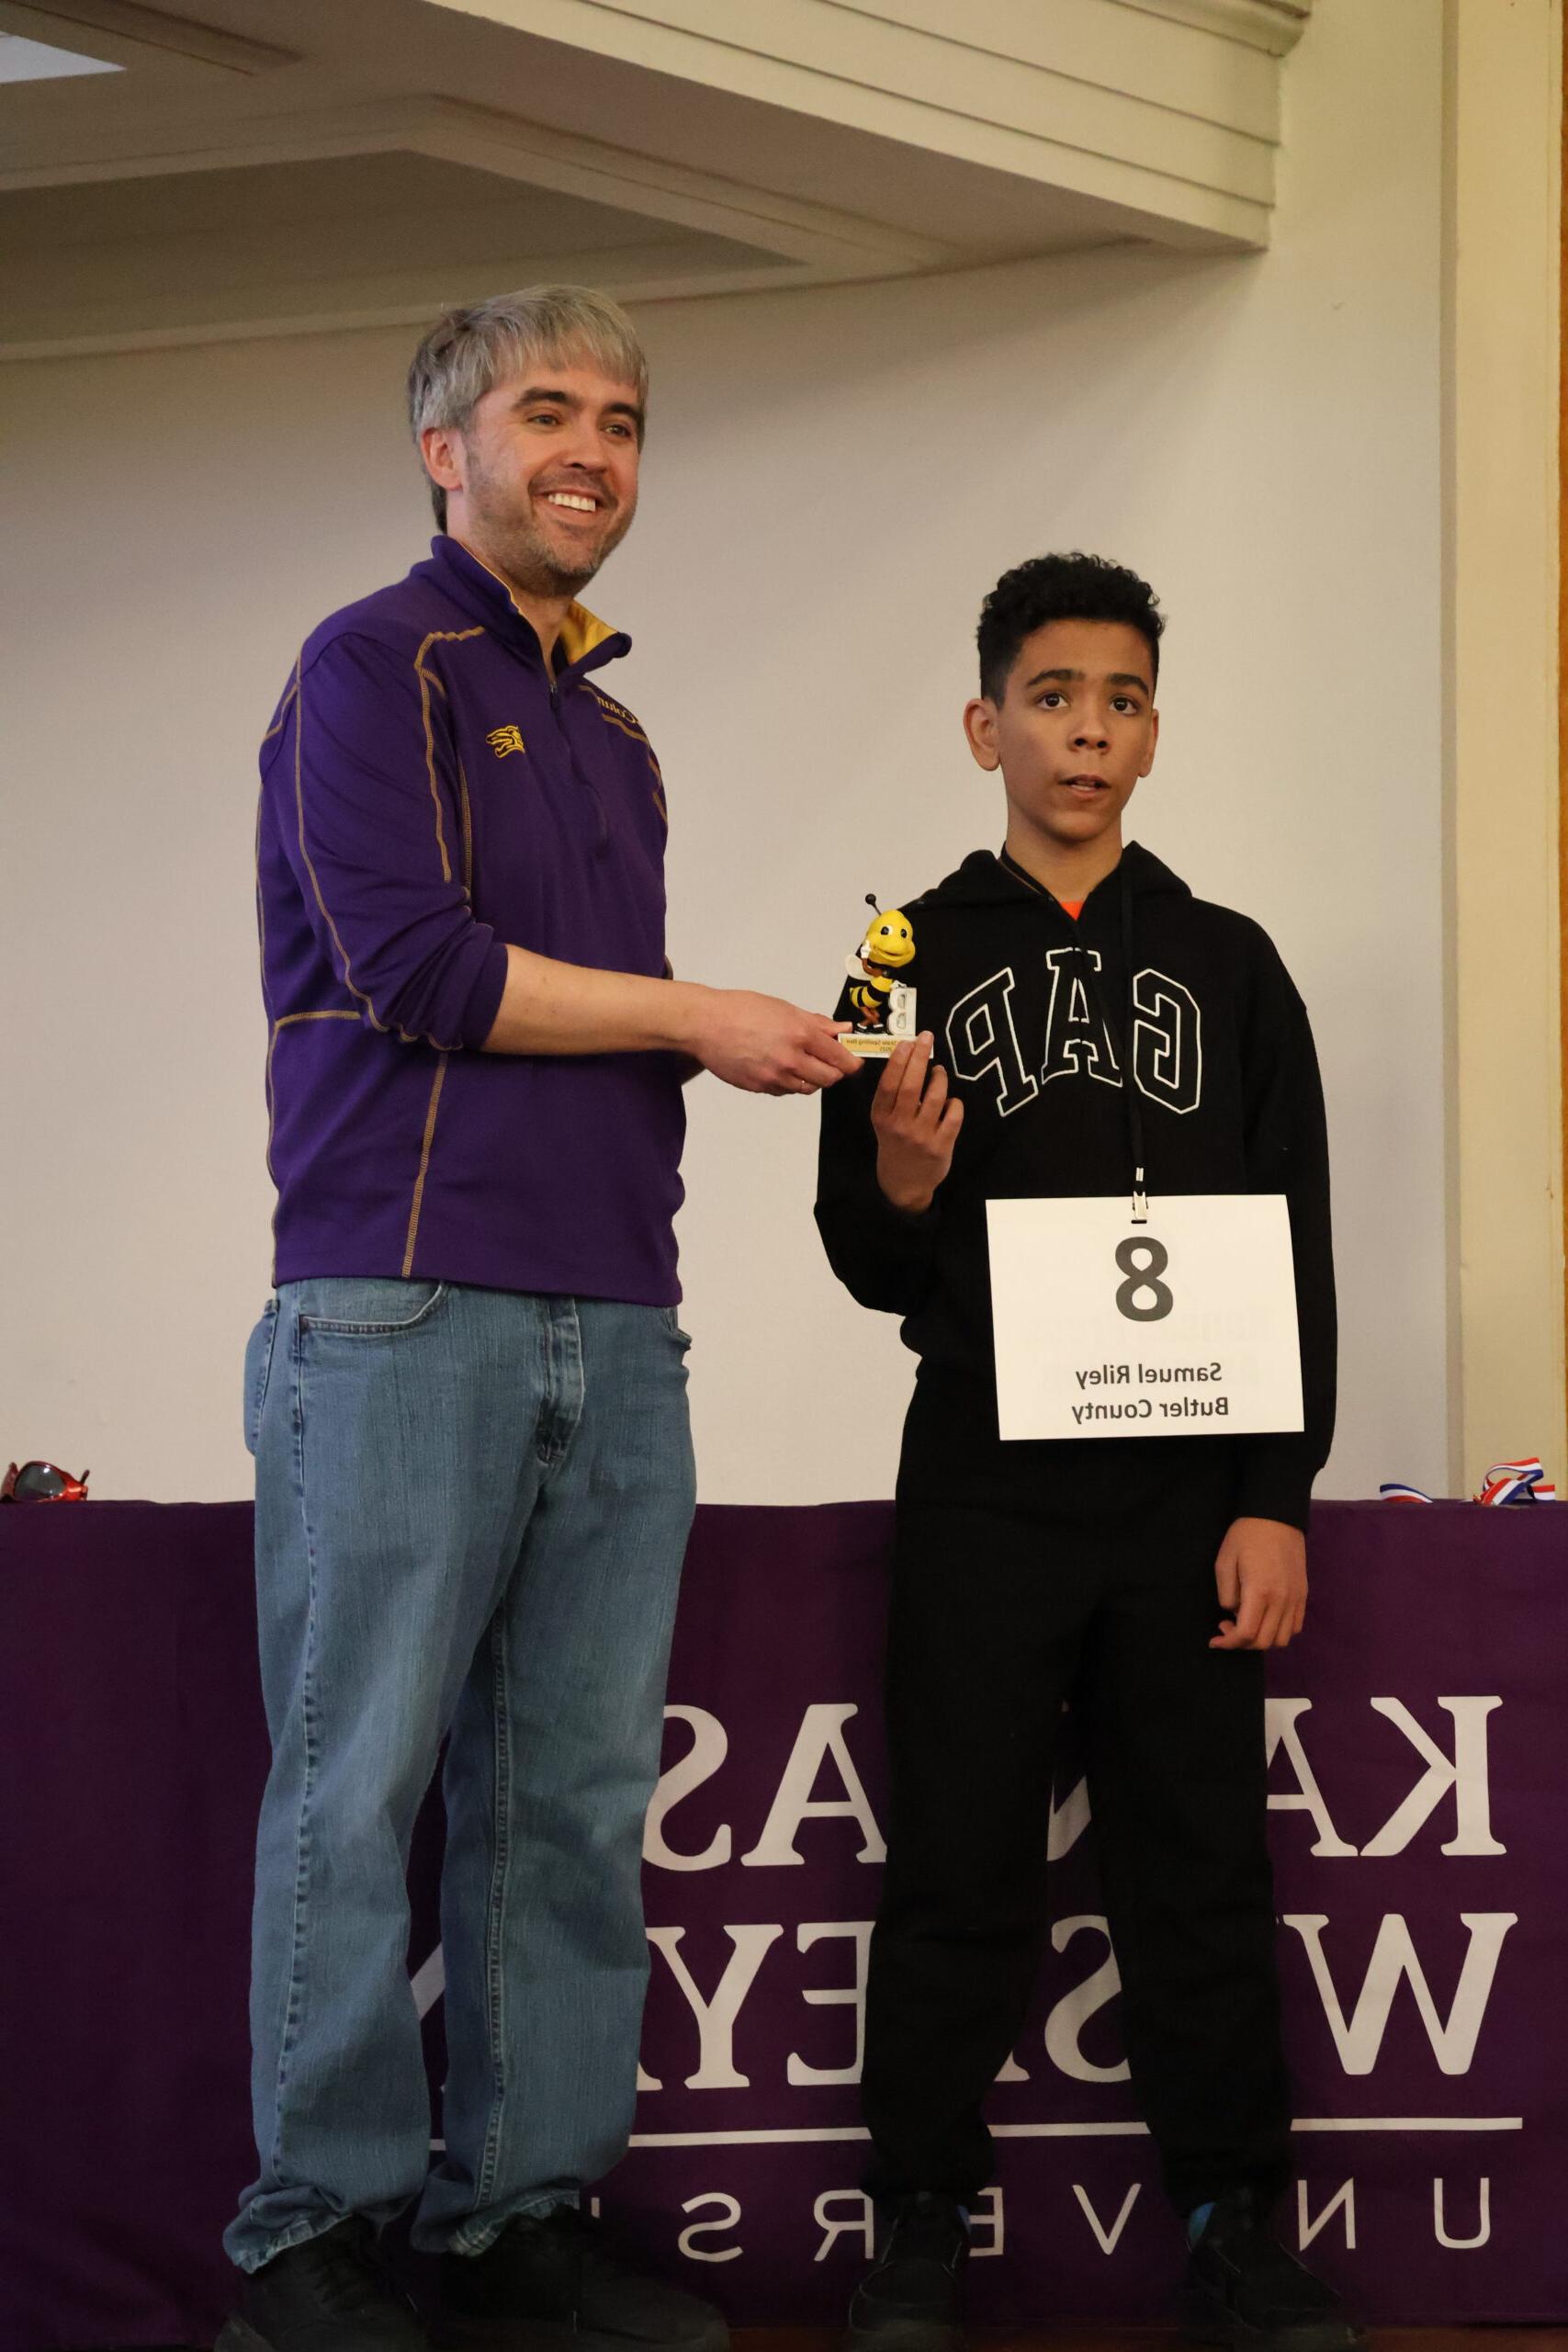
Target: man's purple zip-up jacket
(430, 793)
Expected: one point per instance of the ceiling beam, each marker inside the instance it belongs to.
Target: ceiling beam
(125, 34)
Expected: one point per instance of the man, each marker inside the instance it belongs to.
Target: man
(466, 1399)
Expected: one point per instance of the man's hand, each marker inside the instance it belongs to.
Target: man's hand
(756, 1042)
(1261, 1577)
(766, 1046)
(916, 1125)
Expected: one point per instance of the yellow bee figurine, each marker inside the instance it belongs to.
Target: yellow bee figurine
(881, 1001)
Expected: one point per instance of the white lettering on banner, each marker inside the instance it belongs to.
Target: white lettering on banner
(1357, 2028)
(1484, 2223)
(428, 1982)
(848, 2214)
(686, 2242)
(1072, 2012)
(716, 2070)
(798, 2071)
(802, 2135)
(1465, 1772)
(1360, 2041)
(1069, 1822)
(821, 1736)
(861, 2221)
(1282, 1716)
(987, 2214)
(710, 1746)
(1108, 2239)
(1343, 2199)
(717, 2014)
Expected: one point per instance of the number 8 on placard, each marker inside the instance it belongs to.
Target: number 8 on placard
(1143, 1276)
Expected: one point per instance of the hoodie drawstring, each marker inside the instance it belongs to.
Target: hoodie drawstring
(1140, 1214)
(1134, 1107)
(1095, 994)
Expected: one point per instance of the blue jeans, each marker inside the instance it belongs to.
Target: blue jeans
(472, 1511)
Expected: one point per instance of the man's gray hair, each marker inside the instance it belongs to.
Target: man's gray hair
(469, 351)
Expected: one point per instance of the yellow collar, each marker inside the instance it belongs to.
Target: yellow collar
(580, 632)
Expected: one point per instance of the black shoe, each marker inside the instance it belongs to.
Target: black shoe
(550, 2277)
(328, 2295)
(1244, 2289)
(911, 2300)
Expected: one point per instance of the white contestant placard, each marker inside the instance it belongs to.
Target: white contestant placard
(1184, 1325)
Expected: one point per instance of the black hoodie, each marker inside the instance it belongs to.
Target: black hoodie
(1030, 1031)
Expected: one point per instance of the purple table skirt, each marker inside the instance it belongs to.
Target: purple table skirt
(1420, 1741)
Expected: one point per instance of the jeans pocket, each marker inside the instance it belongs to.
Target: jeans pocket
(673, 1324)
(368, 1307)
(258, 1368)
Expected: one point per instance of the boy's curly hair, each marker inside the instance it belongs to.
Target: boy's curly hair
(1061, 588)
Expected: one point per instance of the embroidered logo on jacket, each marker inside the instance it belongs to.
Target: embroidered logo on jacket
(1167, 1037)
(616, 712)
(503, 739)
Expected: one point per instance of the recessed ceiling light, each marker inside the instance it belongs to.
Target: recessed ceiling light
(34, 61)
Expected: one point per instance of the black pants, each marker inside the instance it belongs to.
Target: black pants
(1023, 1574)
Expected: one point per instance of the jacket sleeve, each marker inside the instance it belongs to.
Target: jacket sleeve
(1288, 1152)
(882, 1255)
(370, 810)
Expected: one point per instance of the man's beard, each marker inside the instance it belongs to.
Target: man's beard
(514, 540)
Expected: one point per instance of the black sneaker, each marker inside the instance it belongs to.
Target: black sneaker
(328, 2295)
(1244, 2289)
(551, 2276)
(911, 2300)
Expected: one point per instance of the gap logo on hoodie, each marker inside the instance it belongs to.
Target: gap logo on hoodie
(1168, 1036)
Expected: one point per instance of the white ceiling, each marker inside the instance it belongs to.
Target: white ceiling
(257, 166)
(34, 61)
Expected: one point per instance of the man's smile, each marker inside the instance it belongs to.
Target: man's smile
(573, 501)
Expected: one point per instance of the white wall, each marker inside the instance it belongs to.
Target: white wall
(833, 480)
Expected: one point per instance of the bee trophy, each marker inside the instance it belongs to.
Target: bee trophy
(882, 994)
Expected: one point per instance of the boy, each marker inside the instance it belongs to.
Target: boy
(1145, 1575)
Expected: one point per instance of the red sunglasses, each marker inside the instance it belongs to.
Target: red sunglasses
(41, 1482)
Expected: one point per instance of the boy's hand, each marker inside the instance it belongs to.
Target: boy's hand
(1261, 1577)
(916, 1125)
